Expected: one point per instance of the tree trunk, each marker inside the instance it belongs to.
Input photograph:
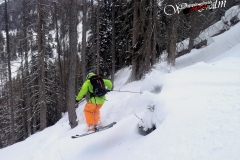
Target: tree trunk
(12, 123)
(98, 37)
(93, 26)
(172, 35)
(72, 63)
(65, 74)
(23, 96)
(84, 30)
(192, 32)
(59, 51)
(113, 41)
(1, 144)
(154, 34)
(147, 37)
(134, 41)
(33, 90)
(27, 90)
(41, 80)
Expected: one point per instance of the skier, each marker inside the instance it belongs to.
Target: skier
(97, 87)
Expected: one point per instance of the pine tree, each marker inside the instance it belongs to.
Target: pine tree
(41, 65)
(84, 43)
(72, 63)
(12, 121)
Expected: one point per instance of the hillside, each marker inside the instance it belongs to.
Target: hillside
(197, 114)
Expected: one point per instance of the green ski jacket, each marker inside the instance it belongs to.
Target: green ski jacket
(87, 87)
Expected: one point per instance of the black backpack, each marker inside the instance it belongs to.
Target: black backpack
(99, 89)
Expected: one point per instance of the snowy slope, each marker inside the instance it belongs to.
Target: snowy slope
(204, 114)
(197, 114)
(219, 46)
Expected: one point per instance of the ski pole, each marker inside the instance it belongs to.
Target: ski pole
(76, 104)
(126, 91)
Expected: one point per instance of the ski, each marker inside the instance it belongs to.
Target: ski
(97, 130)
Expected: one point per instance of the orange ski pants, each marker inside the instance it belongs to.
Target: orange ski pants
(92, 113)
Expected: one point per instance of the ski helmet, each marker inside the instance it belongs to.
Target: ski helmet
(89, 74)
